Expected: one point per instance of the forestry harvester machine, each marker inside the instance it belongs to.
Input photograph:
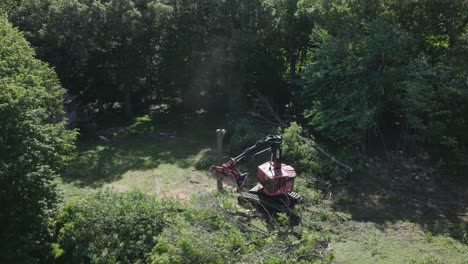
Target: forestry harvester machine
(274, 189)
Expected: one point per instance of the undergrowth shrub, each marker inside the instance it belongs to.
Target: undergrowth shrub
(301, 154)
(215, 231)
(203, 238)
(111, 227)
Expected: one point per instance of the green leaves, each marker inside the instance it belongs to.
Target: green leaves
(378, 77)
(111, 227)
(32, 148)
(301, 153)
(102, 50)
(132, 227)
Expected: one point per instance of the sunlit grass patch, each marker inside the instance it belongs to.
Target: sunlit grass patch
(144, 157)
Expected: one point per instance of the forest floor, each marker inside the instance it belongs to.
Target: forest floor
(396, 213)
(400, 211)
(167, 159)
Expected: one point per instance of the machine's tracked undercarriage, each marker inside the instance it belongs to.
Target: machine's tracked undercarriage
(283, 203)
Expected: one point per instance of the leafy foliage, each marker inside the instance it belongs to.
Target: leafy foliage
(301, 153)
(350, 80)
(296, 150)
(103, 50)
(367, 77)
(109, 227)
(194, 52)
(198, 238)
(33, 147)
(382, 82)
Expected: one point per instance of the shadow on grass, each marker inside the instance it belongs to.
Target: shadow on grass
(144, 145)
(405, 193)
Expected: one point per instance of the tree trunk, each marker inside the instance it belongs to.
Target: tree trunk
(128, 103)
(100, 105)
(292, 66)
(302, 56)
(449, 21)
(219, 140)
(157, 91)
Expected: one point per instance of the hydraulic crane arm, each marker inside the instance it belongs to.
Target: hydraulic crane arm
(229, 170)
(272, 142)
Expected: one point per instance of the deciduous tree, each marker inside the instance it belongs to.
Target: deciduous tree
(33, 147)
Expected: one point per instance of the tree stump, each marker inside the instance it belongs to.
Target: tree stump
(220, 135)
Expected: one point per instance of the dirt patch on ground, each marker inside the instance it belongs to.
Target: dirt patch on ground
(407, 233)
(179, 194)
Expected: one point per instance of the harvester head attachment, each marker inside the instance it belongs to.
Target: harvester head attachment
(230, 172)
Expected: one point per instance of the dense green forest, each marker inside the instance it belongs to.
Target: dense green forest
(372, 82)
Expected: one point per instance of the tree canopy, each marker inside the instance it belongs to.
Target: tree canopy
(33, 147)
(367, 78)
(371, 75)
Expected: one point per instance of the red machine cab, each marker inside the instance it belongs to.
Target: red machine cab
(276, 181)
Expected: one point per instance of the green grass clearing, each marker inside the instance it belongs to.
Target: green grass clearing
(379, 226)
(401, 242)
(139, 157)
